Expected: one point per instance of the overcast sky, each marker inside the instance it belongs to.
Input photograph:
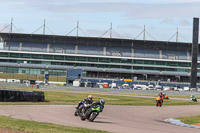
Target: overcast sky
(128, 17)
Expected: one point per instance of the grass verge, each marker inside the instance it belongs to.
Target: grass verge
(64, 97)
(38, 127)
(190, 119)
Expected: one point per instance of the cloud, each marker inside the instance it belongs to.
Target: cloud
(124, 9)
(128, 9)
(125, 14)
(4, 27)
(168, 21)
(163, 10)
(129, 26)
(184, 22)
(172, 21)
(95, 32)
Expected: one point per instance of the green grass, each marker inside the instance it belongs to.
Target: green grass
(72, 98)
(63, 97)
(190, 119)
(69, 97)
(38, 127)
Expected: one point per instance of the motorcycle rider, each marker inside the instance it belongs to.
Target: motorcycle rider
(100, 103)
(85, 102)
(159, 98)
(94, 105)
(160, 94)
(191, 97)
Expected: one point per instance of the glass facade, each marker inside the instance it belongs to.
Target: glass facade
(99, 62)
(31, 71)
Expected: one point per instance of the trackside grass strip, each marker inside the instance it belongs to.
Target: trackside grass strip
(38, 127)
(64, 97)
(190, 119)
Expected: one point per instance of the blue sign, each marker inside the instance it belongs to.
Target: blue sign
(47, 76)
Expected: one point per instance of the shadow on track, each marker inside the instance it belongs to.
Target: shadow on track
(103, 122)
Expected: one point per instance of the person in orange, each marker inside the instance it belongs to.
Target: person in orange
(160, 94)
(159, 100)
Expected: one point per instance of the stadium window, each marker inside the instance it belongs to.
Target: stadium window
(81, 64)
(160, 63)
(13, 61)
(159, 69)
(93, 59)
(183, 64)
(25, 55)
(101, 66)
(127, 61)
(81, 59)
(115, 60)
(139, 62)
(104, 60)
(42, 72)
(59, 57)
(172, 63)
(149, 62)
(4, 54)
(14, 55)
(23, 71)
(48, 56)
(36, 56)
(180, 70)
(56, 63)
(138, 68)
(71, 58)
(170, 69)
(35, 62)
(126, 67)
(149, 68)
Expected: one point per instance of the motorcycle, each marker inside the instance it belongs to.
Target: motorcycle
(159, 102)
(194, 99)
(83, 109)
(165, 96)
(91, 113)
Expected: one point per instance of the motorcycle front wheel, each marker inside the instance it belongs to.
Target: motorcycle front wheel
(93, 116)
(76, 113)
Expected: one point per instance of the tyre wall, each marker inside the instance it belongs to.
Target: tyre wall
(17, 96)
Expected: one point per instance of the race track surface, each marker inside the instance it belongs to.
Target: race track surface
(119, 119)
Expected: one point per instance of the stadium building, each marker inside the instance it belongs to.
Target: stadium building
(107, 58)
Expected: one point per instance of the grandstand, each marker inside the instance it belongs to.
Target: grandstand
(110, 58)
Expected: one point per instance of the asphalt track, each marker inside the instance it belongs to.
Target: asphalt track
(119, 119)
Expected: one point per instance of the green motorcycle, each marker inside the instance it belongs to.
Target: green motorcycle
(91, 113)
(194, 99)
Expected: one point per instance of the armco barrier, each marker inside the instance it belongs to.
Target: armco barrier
(17, 96)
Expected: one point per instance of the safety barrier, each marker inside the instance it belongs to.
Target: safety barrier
(17, 96)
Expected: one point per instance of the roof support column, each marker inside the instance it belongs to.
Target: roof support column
(195, 49)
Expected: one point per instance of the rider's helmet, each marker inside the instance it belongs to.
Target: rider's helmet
(160, 94)
(90, 97)
(102, 101)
